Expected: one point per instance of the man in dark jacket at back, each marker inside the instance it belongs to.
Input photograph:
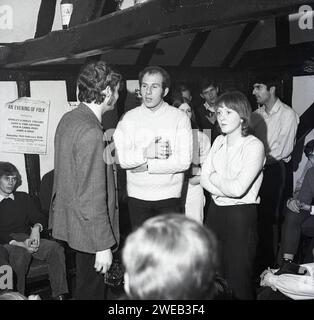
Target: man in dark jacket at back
(84, 210)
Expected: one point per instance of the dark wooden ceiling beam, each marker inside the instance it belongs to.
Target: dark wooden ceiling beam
(195, 47)
(298, 56)
(248, 29)
(141, 24)
(282, 31)
(45, 18)
(146, 54)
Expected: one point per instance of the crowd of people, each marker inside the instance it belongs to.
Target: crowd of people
(177, 156)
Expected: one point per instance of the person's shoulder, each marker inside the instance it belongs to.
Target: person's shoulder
(131, 114)
(287, 109)
(174, 112)
(219, 141)
(21, 196)
(254, 143)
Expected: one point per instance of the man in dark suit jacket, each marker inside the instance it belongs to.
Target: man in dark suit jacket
(84, 210)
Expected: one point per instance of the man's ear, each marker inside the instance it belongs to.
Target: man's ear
(272, 90)
(166, 91)
(202, 96)
(107, 92)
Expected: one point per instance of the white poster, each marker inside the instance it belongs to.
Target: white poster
(24, 126)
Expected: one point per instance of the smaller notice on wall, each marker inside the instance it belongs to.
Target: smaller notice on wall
(24, 126)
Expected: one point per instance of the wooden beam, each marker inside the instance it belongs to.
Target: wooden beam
(146, 54)
(238, 44)
(32, 165)
(141, 24)
(297, 55)
(46, 16)
(195, 47)
(282, 31)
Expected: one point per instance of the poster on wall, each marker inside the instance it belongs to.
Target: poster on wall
(24, 125)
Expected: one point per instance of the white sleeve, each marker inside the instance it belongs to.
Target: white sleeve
(207, 169)
(253, 161)
(128, 154)
(286, 138)
(297, 287)
(181, 157)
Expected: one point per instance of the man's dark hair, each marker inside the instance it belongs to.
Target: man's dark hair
(93, 79)
(309, 148)
(166, 82)
(182, 86)
(206, 83)
(269, 80)
(8, 169)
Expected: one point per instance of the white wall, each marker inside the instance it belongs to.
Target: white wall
(55, 92)
(8, 92)
(302, 98)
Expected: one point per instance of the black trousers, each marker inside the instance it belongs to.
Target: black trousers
(292, 227)
(49, 251)
(269, 218)
(141, 210)
(236, 231)
(89, 283)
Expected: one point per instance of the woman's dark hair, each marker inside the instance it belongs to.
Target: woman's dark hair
(93, 79)
(177, 99)
(269, 80)
(238, 102)
(8, 169)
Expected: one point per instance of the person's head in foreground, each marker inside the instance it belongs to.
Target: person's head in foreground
(170, 257)
(13, 295)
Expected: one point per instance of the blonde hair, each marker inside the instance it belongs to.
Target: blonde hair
(170, 257)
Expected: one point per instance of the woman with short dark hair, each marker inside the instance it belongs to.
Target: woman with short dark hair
(232, 173)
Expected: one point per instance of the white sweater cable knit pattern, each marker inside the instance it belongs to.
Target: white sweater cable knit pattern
(134, 133)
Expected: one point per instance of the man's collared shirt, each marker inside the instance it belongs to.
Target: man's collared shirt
(2, 197)
(211, 111)
(277, 130)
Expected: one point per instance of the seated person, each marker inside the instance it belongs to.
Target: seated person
(20, 226)
(300, 215)
(170, 257)
(309, 153)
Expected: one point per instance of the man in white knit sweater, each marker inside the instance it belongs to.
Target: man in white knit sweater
(154, 145)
